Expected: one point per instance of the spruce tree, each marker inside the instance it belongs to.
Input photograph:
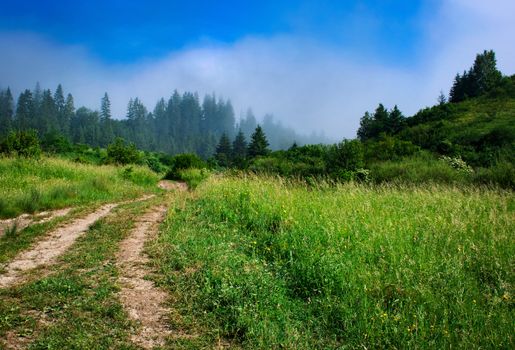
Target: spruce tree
(395, 121)
(258, 145)
(480, 79)
(239, 149)
(105, 108)
(47, 117)
(484, 73)
(239, 146)
(365, 126)
(223, 151)
(60, 104)
(59, 98)
(25, 111)
(6, 112)
(441, 98)
(68, 115)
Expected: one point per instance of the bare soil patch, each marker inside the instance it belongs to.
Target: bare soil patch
(172, 185)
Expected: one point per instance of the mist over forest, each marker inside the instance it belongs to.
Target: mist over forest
(181, 124)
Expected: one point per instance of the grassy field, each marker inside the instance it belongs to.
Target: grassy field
(28, 185)
(262, 263)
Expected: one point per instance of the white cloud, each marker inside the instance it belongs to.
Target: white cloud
(306, 85)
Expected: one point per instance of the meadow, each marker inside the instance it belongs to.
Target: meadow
(30, 185)
(264, 263)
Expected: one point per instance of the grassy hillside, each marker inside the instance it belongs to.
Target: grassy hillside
(266, 263)
(29, 185)
(481, 130)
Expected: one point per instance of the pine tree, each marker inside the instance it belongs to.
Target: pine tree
(484, 73)
(59, 98)
(223, 151)
(6, 112)
(239, 146)
(395, 121)
(47, 117)
(106, 125)
(480, 79)
(161, 124)
(441, 98)
(258, 145)
(25, 111)
(365, 125)
(60, 104)
(239, 149)
(105, 108)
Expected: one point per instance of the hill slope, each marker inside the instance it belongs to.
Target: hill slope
(481, 130)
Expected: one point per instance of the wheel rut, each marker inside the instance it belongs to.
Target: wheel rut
(49, 248)
(143, 301)
(26, 220)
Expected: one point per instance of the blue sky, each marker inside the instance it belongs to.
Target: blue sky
(127, 31)
(314, 65)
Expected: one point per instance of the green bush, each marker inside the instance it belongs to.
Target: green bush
(21, 143)
(389, 148)
(119, 152)
(55, 142)
(155, 164)
(193, 177)
(502, 174)
(182, 162)
(348, 155)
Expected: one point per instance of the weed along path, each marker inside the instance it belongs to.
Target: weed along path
(143, 301)
(53, 245)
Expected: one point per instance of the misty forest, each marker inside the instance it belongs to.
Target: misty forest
(177, 125)
(186, 226)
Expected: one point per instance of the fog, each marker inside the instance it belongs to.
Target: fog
(306, 84)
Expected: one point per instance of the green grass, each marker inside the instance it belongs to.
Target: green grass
(28, 185)
(266, 264)
(76, 306)
(193, 177)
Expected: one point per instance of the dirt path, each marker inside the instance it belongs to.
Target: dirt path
(143, 301)
(172, 185)
(53, 245)
(26, 220)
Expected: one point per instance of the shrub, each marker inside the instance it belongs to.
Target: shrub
(346, 156)
(182, 162)
(417, 170)
(502, 174)
(193, 177)
(457, 163)
(22, 143)
(119, 152)
(389, 148)
(155, 164)
(55, 142)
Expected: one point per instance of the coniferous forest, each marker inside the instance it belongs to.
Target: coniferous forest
(181, 124)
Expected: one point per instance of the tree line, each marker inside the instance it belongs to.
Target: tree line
(180, 124)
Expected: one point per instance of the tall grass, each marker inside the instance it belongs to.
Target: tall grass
(28, 185)
(270, 264)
